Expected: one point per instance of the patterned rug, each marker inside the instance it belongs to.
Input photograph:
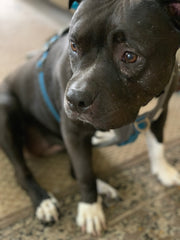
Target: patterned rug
(147, 210)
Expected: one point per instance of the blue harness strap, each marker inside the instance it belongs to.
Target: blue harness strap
(42, 85)
(39, 66)
(141, 124)
(46, 97)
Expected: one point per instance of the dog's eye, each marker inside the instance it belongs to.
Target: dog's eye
(73, 46)
(129, 57)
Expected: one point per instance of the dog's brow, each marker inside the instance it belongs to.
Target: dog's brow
(118, 34)
(73, 36)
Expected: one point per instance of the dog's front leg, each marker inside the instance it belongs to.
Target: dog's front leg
(166, 173)
(90, 216)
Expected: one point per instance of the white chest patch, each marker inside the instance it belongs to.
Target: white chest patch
(101, 137)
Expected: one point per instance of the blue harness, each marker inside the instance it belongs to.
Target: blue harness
(141, 123)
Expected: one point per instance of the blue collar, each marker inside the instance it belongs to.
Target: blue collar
(141, 124)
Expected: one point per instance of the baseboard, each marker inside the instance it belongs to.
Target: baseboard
(61, 3)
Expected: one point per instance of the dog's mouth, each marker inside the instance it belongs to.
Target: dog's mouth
(84, 116)
(99, 119)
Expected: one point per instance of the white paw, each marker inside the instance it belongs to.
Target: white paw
(48, 210)
(91, 217)
(106, 189)
(168, 175)
(102, 137)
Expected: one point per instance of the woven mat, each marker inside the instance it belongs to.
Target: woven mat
(147, 209)
(53, 173)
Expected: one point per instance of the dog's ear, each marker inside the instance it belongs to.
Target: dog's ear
(173, 9)
(71, 2)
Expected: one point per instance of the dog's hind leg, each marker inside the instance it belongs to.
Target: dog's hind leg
(166, 173)
(11, 141)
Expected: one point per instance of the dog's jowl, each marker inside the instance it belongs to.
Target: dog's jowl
(116, 57)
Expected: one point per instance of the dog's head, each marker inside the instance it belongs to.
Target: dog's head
(122, 53)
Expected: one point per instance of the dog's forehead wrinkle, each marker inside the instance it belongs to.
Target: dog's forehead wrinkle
(103, 12)
(127, 17)
(103, 20)
(145, 23)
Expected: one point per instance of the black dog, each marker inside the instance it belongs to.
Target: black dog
(116, 57)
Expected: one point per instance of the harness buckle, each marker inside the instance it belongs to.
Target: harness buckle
(142, 125)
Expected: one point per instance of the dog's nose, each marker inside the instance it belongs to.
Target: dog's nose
(79, 100)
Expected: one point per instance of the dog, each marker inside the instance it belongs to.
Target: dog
(115, 58)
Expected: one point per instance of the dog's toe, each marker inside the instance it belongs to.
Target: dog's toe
(48, 211)
(91, 218)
